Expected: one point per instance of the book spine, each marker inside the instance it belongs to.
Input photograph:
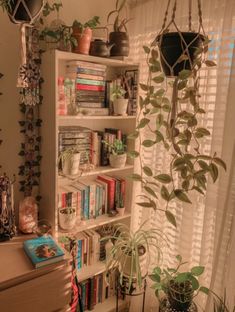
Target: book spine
(97, 200)
(91, 104)
(84, 64)
(89, 87)
(90, 82)
(92, 201)
(79, 205)
(79, 254)
(90, 77)
(91, 294)
(90, 71)
(111, 192)
(86, 203)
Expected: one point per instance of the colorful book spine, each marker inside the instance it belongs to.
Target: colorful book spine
(90, 82)
(89, 87)
(90, 71)
(111, 190)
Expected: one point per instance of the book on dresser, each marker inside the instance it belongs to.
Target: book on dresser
(43, 251)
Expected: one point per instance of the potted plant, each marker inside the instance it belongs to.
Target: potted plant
(67, 218)
(83, 34)
(179, 288)
(22, 11)
(119, 102)
(119, 37)
(131, 253)
(117, 156)
(120, 206)
(69, 160)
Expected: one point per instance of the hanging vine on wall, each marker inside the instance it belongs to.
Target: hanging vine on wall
(30, 101)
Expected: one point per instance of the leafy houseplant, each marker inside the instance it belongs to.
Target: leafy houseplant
(118, 154)
(220, 304)
(179, 287)
(118, 37)
(119, 102)
(83, 34)
(177, 127)
(131, 252)
(69, 160)
(67, 218)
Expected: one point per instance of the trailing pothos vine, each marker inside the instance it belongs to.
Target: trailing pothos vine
(30, 101)
(175, 124)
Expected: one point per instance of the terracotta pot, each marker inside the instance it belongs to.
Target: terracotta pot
(83, 38)
(120, 106)
(117, 161)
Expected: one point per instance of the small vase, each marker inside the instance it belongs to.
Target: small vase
(117, 161)
(71, 164)
(121, 211)
(120, 106)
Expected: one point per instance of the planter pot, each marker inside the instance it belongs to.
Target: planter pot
(165, 306)
(120, 41)
(70, 165)
(172, 48)
(67, 218)
(120, 106)
(25, 11)
(83, 38)
(121, 211)
(117, 161)
(126, 268)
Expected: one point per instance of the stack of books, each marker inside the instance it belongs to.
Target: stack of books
(95, 290)
(93, 198)
(90, 86)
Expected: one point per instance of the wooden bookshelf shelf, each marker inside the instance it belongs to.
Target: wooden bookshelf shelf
(93, 223)
(99, 170)
(62, 119)
(90, 271)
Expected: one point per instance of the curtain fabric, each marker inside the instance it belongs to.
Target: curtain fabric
(205, 231)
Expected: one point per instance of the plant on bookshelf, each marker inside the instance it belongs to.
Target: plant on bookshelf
(70, 160)
(67, 218)
(119, 102)
(117, 156)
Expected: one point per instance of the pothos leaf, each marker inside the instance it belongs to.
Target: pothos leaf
(171, 218)
(150, 191)
(147, 171)
(220, 162)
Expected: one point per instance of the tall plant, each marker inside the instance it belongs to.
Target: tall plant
(174, 123)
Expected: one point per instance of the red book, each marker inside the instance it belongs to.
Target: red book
(95, 289)
(89, 87)
(111, 190)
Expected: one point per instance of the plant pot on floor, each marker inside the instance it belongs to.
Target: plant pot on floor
(120, 106)
(120, 41)
(67, 218)
(172, 46)
(117, 161)
(83, 37)
(24, 11)
(70, 164)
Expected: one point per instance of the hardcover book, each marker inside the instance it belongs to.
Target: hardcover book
(43, 251)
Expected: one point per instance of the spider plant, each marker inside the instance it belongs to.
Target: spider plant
(220, 304)
(131, 252)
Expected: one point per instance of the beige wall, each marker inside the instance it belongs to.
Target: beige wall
(9, 62)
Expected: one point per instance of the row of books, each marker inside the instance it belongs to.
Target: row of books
(96, 290)
(89, 143)
(93, 198)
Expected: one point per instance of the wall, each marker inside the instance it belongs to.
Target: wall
(82, 10)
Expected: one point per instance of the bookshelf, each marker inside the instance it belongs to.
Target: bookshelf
(53, 66)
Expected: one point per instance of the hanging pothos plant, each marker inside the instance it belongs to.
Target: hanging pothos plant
(173, 123)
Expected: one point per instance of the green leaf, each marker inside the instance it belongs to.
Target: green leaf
(155, 68)
(147, 171)
(157, 270)
(171, 218)
(145, 204)
(164, 193)
(179, 162)
(150, 191)
(143, 122)
(220, 162)
(195, 283)
(159, 136)
(182, 277)
(183, 57)
(160, 92)
(146, 49)
(182, 196)
(133, 135)
(203, 165)
(184, 74)
(197, 270)
(148, 143)
(163, 178)
(205, 290)
(133, 154)
(210, 63)
(179, 258)
(155, 277)
(136, 177)
(158, 79)
(214, 172)
(159, 120)
(192, 122)
(196, 188)
(144, 87)
(203, 131)
(182, 84)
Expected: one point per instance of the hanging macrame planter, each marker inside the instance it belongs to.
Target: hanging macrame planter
(177, 48)
(25, 11)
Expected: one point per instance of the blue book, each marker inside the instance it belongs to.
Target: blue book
(43, 251)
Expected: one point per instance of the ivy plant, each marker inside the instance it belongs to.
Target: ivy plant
(174, 123)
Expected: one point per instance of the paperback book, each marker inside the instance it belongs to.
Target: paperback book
(43, 251)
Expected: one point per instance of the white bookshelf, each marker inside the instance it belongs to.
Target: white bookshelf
(53, 66)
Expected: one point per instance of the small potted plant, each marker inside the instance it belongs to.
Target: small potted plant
(120, 206)
(83, 34)
(69, 160)
(67, 218)
(119, 102)
(119, 37)
(179, 288)
(117, 157)
(131, 253)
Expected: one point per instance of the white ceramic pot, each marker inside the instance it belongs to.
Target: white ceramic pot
(71, 164)
(126, 268)
(120, 106)
(67, 218)
(117, 161)
(121, 211)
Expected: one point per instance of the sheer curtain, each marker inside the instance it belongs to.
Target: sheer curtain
(205, 232)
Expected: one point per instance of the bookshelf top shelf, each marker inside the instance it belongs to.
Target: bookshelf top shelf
(69, 56)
